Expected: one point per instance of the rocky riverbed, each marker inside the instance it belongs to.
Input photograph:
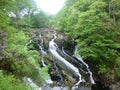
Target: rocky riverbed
(102, 81)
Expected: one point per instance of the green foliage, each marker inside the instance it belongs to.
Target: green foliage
(16, 15)
(44, 72)
(24, 63)
(1, 73)
(11, 83)
(118, 72)
(25, 68)
(103, 68)
(93, 27)
(17, 60)
(40, 20)
(34, 60)
(4, 18)
(26, 21)
(118, 67)
(22, 7)
(23, 15)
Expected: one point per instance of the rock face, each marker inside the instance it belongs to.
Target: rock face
(115, 86)
(46, 87)
(45, 36)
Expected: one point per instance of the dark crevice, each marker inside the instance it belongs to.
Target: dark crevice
(100, 86)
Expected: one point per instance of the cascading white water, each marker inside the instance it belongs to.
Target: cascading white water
(83, 63)
(31, 83)
(26, 45)
(61, 61)
(87, 67)
(43, 53)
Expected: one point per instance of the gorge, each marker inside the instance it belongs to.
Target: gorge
(76, 49)
(67, 69)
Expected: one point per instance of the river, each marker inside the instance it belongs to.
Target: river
(63, 61)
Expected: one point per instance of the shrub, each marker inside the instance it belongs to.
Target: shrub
(11, 83)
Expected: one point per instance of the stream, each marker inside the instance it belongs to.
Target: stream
(71, 72)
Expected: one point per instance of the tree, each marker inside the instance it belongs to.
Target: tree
(88, 21)
(39, 20)
(21, 13)
(4, 17)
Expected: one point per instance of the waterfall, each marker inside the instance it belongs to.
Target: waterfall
(43, 53)
(62, 62)
(65, 64)
(87, 67)
(26, 45)
(31, 83)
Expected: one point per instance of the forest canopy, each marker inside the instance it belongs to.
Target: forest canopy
(95, 26)
(17, 19)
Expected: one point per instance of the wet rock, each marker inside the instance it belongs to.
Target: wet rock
(44, 38)
(115, 86)
(81, 88)
(100, 86)
(48, 33)
(47, 87)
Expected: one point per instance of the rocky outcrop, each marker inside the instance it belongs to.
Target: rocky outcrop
(115, 86)
(47, 35)
(103, 82)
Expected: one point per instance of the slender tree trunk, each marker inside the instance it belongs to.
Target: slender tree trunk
(109, 9)
(114, 18)
(112, 9)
